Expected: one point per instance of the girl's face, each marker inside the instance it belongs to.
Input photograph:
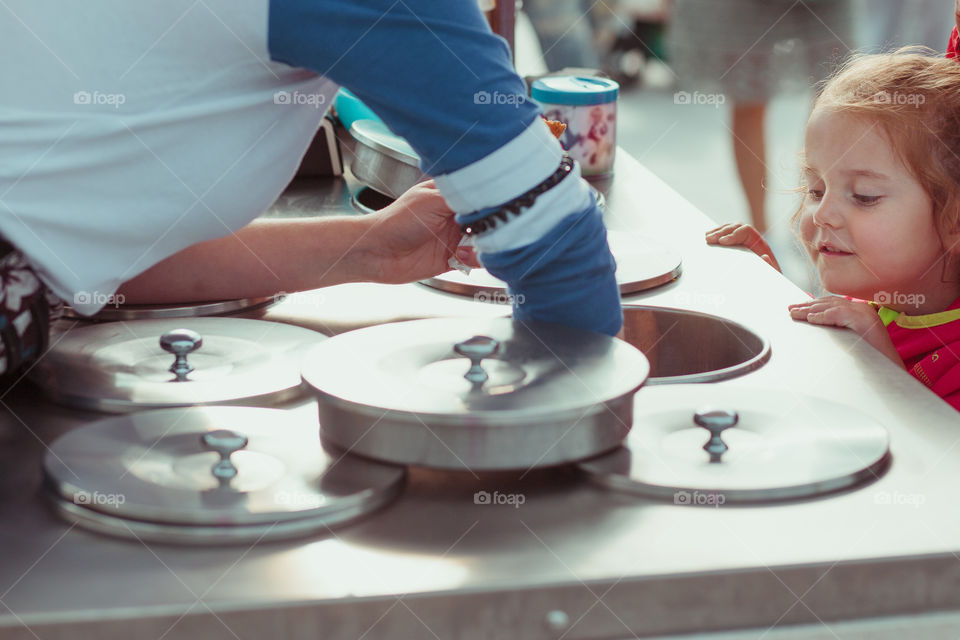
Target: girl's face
(866, 221)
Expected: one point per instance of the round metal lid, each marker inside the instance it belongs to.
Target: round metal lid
(127, 366)
(185, 310)
(472, 371)
(642, 264)
(767, 445)
(209, 473)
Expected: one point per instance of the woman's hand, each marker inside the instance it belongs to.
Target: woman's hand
(743, 235)
(413, 238)
(859, 317)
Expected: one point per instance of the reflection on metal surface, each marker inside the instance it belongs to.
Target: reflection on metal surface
(688, 346)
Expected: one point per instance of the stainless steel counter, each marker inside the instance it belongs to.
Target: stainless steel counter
(574, 560)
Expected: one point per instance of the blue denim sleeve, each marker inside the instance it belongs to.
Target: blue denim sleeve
(566, 277)
(437, 76)
(429, 69)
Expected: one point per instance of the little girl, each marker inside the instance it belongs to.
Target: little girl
(880, 216)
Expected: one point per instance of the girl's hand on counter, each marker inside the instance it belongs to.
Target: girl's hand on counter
(743, 235)
(413, 238)
(859, 317)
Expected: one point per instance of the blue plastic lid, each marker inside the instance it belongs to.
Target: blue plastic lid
(575, 90)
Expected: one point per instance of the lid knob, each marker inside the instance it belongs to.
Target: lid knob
(477, 348)
(180, 342)
(226, 443)
(715, 421)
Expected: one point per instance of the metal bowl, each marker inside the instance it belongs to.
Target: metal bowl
(688, 346)
(383, 160)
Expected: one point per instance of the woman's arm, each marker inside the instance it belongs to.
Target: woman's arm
(411, 239)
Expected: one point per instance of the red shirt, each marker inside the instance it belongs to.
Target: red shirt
(929, 346)
(953, 47)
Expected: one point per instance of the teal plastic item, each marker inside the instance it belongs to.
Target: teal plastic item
(574, 90)
(350, 109)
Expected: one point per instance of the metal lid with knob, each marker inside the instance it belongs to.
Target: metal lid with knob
(180, 342)
(715, 421)
(128, 366)
(211, 474)
(744, 444)
(225, 443)
(477, 348)
(475, 393)
(113, 313)
(642, 263)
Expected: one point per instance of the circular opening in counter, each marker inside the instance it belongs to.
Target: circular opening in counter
(368, 200)
(687, 346)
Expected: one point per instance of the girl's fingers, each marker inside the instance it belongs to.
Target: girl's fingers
(714, 235)
(724, 227)
(770, 260)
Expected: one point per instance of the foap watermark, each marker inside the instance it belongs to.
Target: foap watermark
(512, 499)
(499, 297)
(315, 100)
(99, 499)
(298, 499)
(307, 300)
(886, 298)
(98, 298)
(897, 97)
(485, 97)
(895, 498)
(685, 97)
(98, 98)
(699, 498)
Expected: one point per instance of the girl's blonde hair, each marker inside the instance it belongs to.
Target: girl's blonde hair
(914, 95)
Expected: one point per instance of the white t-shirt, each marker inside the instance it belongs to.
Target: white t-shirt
(124, 141)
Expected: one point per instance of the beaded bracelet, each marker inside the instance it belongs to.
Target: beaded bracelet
(524, 201)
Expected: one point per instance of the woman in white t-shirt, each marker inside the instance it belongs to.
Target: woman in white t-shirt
(141, 140)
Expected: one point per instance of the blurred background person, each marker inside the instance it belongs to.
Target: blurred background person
(749, 50)
(885, 25)
(565, 32)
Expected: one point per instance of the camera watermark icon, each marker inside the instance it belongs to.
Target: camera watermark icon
(915, 500)
(499, 297)
(315, 100)
(896, 97)
(514, 99)
(512, 499)
(312, 299)
(98, 98)
(886, 298)
(699, 498)
(98, 499)
(98, 298)
(713, 99)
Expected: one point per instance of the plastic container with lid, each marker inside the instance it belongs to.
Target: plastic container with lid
(588, 106)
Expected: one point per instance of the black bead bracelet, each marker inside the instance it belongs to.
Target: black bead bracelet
(521, 202)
